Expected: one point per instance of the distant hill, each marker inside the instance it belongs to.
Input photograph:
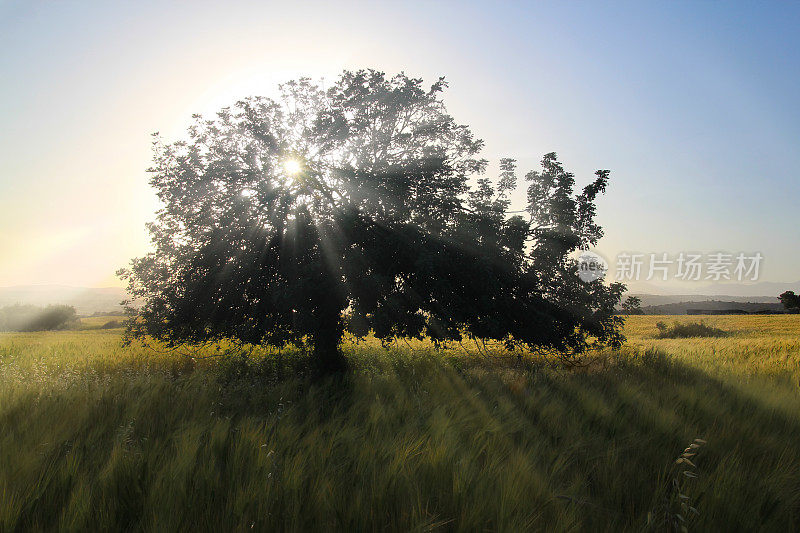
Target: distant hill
(649, 300)
(85, 300)
(728, 291)
(682, 308)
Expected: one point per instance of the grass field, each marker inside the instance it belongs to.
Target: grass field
(99, 437)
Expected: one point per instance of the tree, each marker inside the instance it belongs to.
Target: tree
(283, 218)
(790, 300)
(632, 306)
(32, 318)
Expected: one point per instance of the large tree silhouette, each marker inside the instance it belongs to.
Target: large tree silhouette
(790, 300)
(289, 220)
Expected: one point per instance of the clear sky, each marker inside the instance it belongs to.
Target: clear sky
(695, 107)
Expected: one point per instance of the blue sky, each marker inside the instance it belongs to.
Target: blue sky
(693, 106)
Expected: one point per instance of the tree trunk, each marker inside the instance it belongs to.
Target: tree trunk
(326, 339)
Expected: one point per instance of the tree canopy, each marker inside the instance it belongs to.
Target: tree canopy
(632, 306)
(363, 207)
(790, 300)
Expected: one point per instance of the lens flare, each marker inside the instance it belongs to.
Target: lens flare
(292, 167)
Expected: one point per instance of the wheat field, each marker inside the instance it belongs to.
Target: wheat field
(98, 437)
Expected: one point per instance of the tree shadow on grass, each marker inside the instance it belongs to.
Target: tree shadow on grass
(588, 450)
(648, 411)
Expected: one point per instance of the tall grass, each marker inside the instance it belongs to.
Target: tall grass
(99, 437)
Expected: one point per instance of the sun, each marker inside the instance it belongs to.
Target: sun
(292, 167)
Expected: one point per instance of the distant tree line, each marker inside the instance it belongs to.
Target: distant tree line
(34, 318)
